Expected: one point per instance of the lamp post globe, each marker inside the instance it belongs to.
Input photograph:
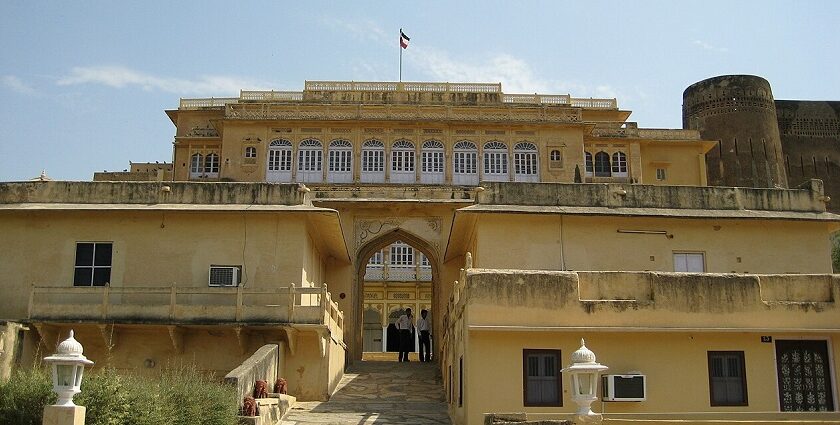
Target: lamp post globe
(67, 364)
(584, 371)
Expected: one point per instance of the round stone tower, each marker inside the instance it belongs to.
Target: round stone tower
(739, 111)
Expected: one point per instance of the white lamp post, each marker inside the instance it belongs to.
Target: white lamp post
(68, 365)
(584, 371)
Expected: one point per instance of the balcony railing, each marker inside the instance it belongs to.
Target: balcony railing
(375, 272)
(290, 304)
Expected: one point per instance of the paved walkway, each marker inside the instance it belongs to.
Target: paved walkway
(378, 392)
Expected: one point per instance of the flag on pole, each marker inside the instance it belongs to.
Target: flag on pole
(404, 40)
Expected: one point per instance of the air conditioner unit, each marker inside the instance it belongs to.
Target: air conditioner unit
(225, 275)
(631, 387)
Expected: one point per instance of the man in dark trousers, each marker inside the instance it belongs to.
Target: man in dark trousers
(425, 339)
(404, 325)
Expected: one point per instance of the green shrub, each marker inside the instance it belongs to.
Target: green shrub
(24, 395)
(179, 396)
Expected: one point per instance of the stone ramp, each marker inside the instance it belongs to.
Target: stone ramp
(375, 392)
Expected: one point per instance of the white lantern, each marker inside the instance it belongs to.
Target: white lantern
(584, 371)
(68, 365)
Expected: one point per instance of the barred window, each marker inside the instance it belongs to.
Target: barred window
(543, 384)
(727, 378)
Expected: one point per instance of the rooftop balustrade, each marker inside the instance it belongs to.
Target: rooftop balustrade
(383, 92)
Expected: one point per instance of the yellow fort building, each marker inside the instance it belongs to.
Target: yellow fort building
(292, 229)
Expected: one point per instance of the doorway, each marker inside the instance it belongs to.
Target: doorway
(804, 375)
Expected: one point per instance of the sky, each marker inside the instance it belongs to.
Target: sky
(84, 85)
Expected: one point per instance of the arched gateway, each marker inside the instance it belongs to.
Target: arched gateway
(409, 260)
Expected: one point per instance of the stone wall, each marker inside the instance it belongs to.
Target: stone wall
(151, 193)
(806, 199)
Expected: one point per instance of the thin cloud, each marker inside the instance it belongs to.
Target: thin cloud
(17, 85)
(364, 29)
(121, 77)
(706, 46)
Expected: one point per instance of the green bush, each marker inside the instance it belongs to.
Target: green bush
(23, 397)
(179, 396)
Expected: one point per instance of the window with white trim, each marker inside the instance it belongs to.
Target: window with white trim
(589, 164)
(250, 152)
(602, 164)
(465, 163)
(377, 259)
(211, 165)
(525, 162)
(495, 161)
(619, 164)
(340, 156)
(660, 174)
(689, 262)
(432, 162)
(310, 158)
(402, 162)
(196, 165)
(373, 156)
(402, 254)
(555, 160)
(280, 155)
(93, 263)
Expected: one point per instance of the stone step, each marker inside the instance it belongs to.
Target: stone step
(381, 392)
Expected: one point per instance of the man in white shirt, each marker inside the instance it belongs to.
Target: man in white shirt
(404, 325)
(425, 339)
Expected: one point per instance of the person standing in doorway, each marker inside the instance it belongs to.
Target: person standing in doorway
(425, 339)
(404, 325)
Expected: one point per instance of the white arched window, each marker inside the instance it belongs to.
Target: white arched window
(211, 166)
(402, 162)
(495, 162)
(589, 165)
(619, 164)
(432, 162)
(373, 162)
(340, 162)
(310, 159)
(196, 166)
(525, 162)
(602, 164)
(464, 163)
(279, 161)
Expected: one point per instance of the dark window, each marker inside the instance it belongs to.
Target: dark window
(590, 167)
(93, 264)
(542, 385)
(602, 164)
(727, 378)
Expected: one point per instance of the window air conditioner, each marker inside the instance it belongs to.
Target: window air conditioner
(225, 275)
(631, 387)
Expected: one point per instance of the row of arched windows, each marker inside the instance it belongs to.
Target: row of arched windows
(601, 166)
(403, 162)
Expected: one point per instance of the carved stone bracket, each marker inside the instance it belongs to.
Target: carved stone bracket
(291, 338)
(176, 336)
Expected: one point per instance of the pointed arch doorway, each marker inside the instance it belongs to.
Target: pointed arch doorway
(399, 270)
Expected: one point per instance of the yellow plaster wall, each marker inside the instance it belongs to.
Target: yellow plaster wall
(672, 386)
(150, 249)
(593, 243)
(681, 161)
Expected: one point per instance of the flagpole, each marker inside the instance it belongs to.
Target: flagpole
(401, 49)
